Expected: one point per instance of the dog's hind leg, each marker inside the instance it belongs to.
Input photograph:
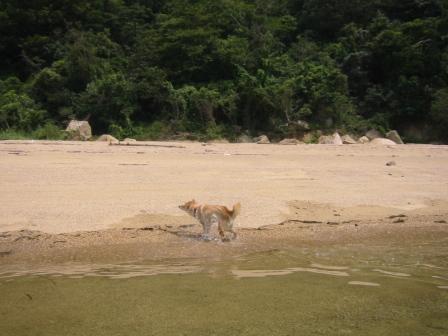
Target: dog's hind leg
(221, 231)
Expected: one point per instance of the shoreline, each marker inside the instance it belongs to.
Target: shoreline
(183, 242)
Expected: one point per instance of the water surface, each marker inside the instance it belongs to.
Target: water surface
(345, 290)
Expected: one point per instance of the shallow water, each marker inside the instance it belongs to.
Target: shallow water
(350, 290)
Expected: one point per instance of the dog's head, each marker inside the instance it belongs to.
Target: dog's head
(188, 206)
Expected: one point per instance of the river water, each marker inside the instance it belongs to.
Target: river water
(341, 290)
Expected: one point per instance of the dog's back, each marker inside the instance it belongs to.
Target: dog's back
(221, 211)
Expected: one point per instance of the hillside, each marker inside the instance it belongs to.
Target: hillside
(153, 68)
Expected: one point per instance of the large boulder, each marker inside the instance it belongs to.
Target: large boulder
(363, 140)
(334, 139)
(394, 136)
(79, 130)
(373, 134)
(289, 142)
(348, 140)
(382, 142)
(262, 140)
(107, 138)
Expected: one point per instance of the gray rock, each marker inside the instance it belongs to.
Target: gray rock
(373, 134)
(363, 140)
(334, 139)
(382, 141)
(79, 130)
(289, 142)
(107, 138)
(262, 140)
(394, 136)
(348, 140)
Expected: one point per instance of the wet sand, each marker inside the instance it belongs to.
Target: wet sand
(70, 201)
(173, 242)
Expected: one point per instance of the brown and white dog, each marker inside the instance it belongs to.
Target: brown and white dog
(208, 215)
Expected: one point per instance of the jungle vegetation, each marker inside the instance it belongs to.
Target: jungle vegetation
(219, 68)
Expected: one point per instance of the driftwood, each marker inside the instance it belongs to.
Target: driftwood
(143, 145)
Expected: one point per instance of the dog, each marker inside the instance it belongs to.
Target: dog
(208, 215)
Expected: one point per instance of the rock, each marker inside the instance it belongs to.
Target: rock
(108, 138)
(363, 140)
(289, 142)
(79, 130)
(373, 134)
(244, 138)
(334, 139)
(391, 163)
(382, 141)
(262, 140)
(348, 140)
(394, 136)
(129, 140)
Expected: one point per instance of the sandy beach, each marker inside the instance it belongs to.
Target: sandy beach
(128, 194)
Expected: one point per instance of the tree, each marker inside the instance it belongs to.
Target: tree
(439, 111)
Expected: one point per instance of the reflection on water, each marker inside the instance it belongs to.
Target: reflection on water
(124, 271)
(363, 283)
(263, 273)
(398, 274)
(382, 290)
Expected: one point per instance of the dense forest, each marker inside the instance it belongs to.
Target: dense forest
(220, 68)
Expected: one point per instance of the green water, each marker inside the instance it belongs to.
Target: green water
(382, 290)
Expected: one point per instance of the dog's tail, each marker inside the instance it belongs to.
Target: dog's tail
(236, 210)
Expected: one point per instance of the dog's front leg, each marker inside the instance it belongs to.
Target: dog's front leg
(206, 230)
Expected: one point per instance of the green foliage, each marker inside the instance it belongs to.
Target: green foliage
(155, 131)
(439, 111)
(49, 131)
(213, 68)
(11, 134)
(107, 100)
(18, 110)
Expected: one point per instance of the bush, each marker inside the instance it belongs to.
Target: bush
(217, 132)
(439, 112)
(49, 131)
(12, 134)
(156, 131)
(18, 110)
(119, 132)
